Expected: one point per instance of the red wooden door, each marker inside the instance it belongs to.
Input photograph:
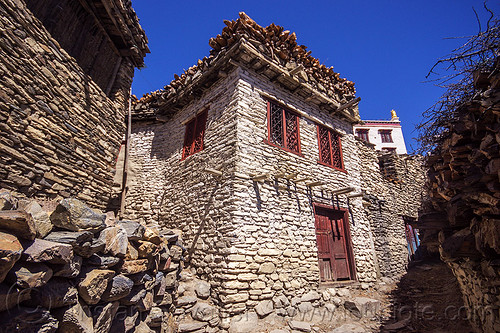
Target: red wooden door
(332, 243)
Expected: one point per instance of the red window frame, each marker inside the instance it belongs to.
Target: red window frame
(330, 148)
(386, 136)
(363, 134)
(193, 135)
(287, 129)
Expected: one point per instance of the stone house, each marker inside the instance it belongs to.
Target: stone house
(251, 154)
(66, 68)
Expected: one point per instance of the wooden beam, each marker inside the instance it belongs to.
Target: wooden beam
(348, 104)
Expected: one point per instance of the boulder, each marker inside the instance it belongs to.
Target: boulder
(11, 296)
(175, 252)
(134, 230)
(10, 252)
(132, 253)
(41, 219)
(363, 307)
(136, 294)
(264, 308)
(140, 278)
(70, 269)
(119, 287)
(27, 320)
(147, 249)
(202, 289)
(29, 275)
(301, 326)
(72, 214)
(72, 238)
(101, 261)
(92, 287)
(110, 219)
(103, 317)
(203, 312)
(280, 301)
(7, 200)
(146, 302)
(152, 234)
(191, 326)
(267, 268)
(134, 266)
(18, 223)
(310, 296)
(41, 250)
(155, 317)
(89, 248)
(115, 240)
(58, 292)
(76, 319)
(186, 301)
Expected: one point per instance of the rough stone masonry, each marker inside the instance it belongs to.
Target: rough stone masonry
(252, 237)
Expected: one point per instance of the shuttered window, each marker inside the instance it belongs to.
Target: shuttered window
(283, 128)
(330, 149)
(193, 137)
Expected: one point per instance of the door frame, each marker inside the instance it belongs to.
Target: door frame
(347, 237)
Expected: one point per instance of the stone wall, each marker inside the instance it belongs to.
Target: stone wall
(393, 191)
(255, 241)
(179, 193)
(464, 191)
(60, 133)
(69, 268)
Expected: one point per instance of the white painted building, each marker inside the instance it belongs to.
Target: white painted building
(384, 134)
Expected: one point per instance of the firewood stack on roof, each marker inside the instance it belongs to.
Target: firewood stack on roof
(271, 51)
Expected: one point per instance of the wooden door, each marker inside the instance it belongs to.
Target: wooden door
(333, 242)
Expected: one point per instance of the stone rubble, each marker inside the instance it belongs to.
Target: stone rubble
(79, 279)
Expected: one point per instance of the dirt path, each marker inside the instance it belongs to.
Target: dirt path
(427, 299)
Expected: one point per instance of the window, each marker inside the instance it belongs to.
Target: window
(330, 150)
(363, 134)
(193, 138)
(283, 128)
(386, 136)
(390, 150)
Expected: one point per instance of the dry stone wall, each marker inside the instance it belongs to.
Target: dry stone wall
(68, 268)
(60, 133)
(464, 191)
(393, 191)
(179, 193)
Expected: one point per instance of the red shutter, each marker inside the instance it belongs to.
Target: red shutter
(201, 120)
(188, 139)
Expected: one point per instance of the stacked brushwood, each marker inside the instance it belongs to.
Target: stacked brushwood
(68, 268)
(464, 188)
(276, 44)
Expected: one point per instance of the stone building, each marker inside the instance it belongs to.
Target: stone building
(251, 154)
(386, 135)
(66, 69)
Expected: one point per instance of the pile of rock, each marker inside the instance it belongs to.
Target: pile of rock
(462, 218)
(67, 267)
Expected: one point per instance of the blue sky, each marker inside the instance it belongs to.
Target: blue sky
(385, 46)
